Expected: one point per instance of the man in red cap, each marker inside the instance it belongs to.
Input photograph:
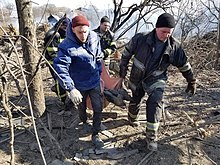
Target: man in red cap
(78, 65)
(153, 53)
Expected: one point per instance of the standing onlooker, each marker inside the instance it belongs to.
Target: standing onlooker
(78, 65)
(153, 53)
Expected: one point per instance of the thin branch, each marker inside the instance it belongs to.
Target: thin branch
(8, 112)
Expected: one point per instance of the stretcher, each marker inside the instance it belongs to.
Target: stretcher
(107, 82)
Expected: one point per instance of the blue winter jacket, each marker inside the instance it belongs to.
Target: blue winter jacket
(78, 64)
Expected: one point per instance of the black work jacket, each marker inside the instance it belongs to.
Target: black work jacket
(52, 49)
(141, 47)
(106, 40)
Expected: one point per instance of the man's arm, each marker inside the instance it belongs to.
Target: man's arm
(111, 44)
(189, 76)
(126, 56)
(61, 65)
(52, 49)
(186, 70)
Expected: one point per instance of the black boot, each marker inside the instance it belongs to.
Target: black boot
(97, 141)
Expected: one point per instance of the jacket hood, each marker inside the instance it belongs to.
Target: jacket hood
(70, 34)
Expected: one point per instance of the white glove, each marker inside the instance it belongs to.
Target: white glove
(75, 96)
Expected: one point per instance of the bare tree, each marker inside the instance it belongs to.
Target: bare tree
(6, 9)
(44, 11)
(214, 15)
(34, 79)
(123, 15)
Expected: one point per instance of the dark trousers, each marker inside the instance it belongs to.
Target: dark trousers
(60, 92)
(153, 104)
(97, 103)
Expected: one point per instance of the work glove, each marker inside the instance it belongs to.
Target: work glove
(191, 87)
(75, 96)
(105, 54)
(123, 71)
(100, 57)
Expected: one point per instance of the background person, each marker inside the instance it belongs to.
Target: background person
(51, 53)
(108, 45)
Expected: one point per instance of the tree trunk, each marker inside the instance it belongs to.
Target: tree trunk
(218, 43)
(31, 58)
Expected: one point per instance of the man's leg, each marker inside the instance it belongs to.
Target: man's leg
(97, 106)
(134, 107)
(153, 112)
(82, 107)
(61, 93)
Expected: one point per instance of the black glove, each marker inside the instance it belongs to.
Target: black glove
(191, 87)
(123, 71)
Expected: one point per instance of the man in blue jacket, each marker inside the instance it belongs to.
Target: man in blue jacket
(78, 64)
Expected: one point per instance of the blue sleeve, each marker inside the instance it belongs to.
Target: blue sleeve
(61, 65)
(99, 67)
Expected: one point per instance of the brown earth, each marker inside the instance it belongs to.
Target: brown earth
(180, 141)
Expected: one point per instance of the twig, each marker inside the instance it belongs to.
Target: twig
(49, 121)
(202, 132)
(189, 152)
(52, 137)
(143, 161)
(19, 110)
(17, 134)
(12, 74)
(208, 157)
(210, 121)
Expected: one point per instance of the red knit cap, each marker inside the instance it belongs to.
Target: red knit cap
(79, 20)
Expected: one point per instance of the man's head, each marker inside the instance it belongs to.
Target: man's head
(164, 26)
(64, 24)
(80, 26)
(104, 24)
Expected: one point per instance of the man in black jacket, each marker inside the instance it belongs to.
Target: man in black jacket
(51, 53)
(108, 45)
(153, 53)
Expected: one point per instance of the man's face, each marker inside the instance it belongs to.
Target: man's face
(105, 26)
(163, 33)
(81, 32)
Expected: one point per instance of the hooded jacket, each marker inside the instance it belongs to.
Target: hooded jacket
(78, 64)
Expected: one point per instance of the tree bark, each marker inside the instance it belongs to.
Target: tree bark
(31, 58)
(218, 43)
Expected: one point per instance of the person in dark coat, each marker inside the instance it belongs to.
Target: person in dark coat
(51, 53)
(152, 54)
(108, 45)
